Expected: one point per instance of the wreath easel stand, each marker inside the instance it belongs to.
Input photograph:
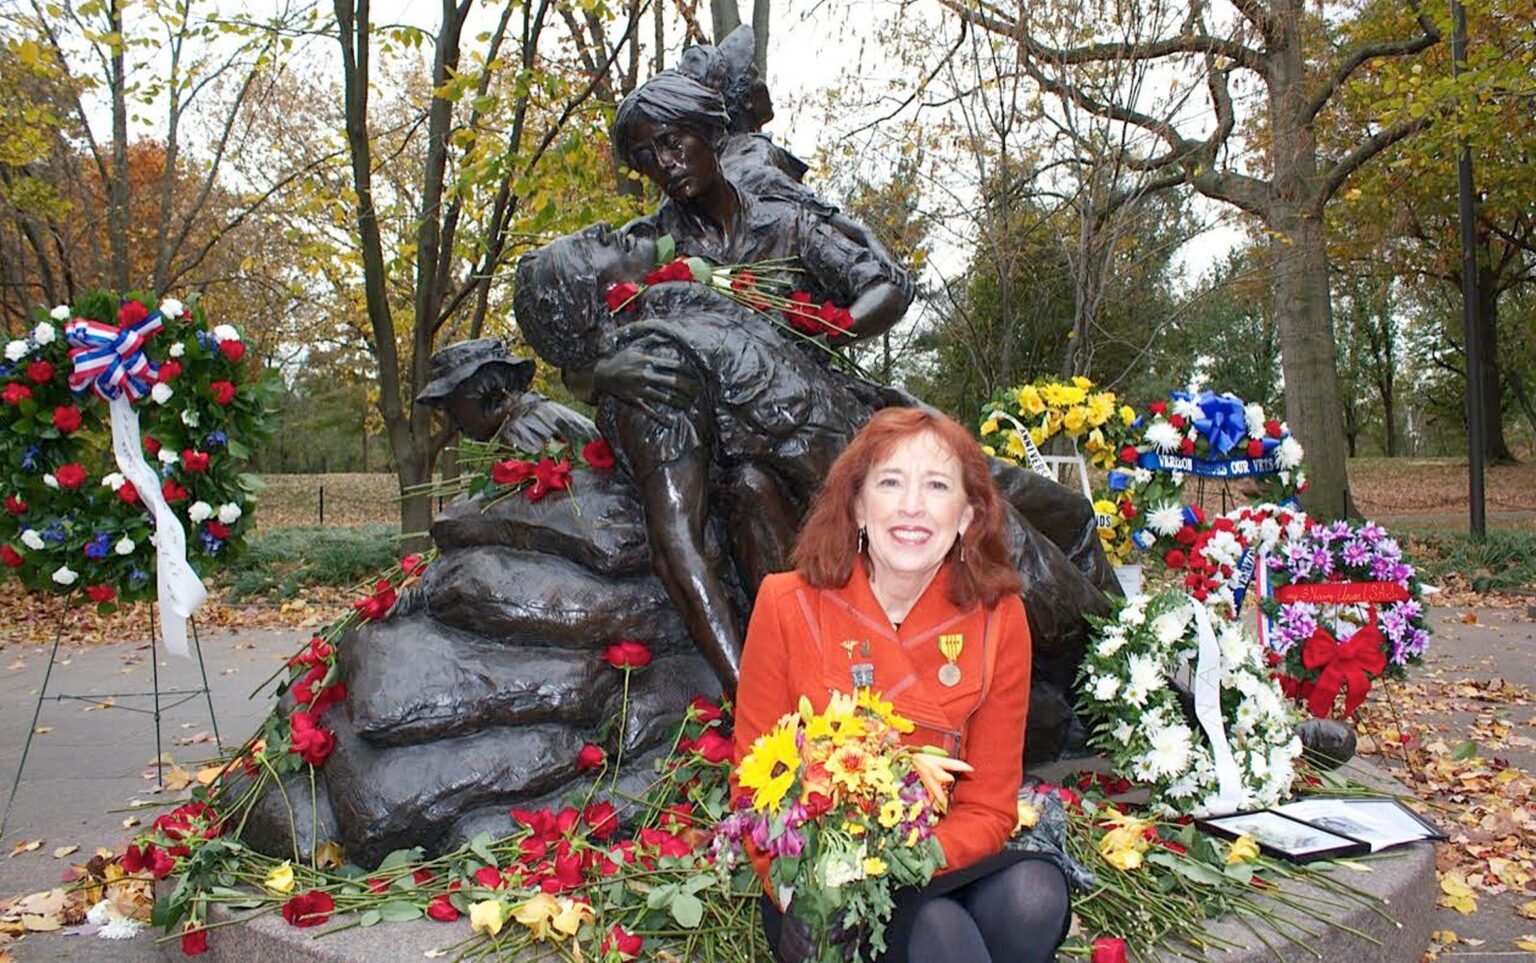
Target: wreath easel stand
(156, 710)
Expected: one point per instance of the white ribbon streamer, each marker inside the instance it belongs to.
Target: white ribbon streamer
(1229, 783)
(180, 590)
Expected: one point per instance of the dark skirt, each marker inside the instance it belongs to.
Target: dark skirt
(898, 932)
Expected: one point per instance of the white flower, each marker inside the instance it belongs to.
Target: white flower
(1253, 414)
(200, 512)
(1223, 548)
(1236, 649)
(1135, 614)
(161, 393)
(16, 350)
(170, 309)
(114, 480)
(50, 480)
(1146, 676)
(190, 418)
(124, 546)
(1163, 436)
(168, 456)
(1288, 455)
(229, 513)
(1171, 626)
(1176, 477)
(1166, 519)
(99, 914)
(1109, 645)
(1122, 732)
(225, 332)
(44, 333)
(32, 540)
(1142, 475)
(1247, 716)
(1105, 687)
(1169, 754)
(64, 575)
(60, 313)
(1186, 406)
(178, 349)
(120, 928)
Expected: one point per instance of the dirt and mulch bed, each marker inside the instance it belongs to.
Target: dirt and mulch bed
(1384, 487)
(289, 501)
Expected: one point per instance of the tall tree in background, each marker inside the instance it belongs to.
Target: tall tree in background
(1299, 63)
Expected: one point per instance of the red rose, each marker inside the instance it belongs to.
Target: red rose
(66, 418)
(15, 392)
(1255, 448)
(71, 475)
(169, 369)
(1158, 407)
(1272, 428)
(1129, 454)
(410, 563)
(128, 494)
(1127, 510)
(598, 454)
(676, 270)
(1108, 949)
(816, 804)
(441, 909)
(173, 492)
(627, 654)
(309, 909)
(313, 743)
(705, 710)
(40, 372)
(513, 471)
(1178, 421)
(233, 350)
(422, 877)
(194, 461)
(801, 313)
(152, 444)
(1174, 558)
(490, 877)
(602, 820)
(15, 505)
(194, 940)
(377, 884)
(714, 747)
(377, 605)
(131, 312)
(217, 529)
(676, 816)
(619, 940)
(99, 593)
(591, 756)
(11, 557)
(622, 296)
(223, 392)
(549, 476)
(1187, 447)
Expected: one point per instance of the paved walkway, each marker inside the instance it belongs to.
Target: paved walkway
(92, 762)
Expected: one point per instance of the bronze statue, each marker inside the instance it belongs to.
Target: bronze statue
(482, 389)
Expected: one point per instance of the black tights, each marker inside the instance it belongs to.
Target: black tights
(1017, 914)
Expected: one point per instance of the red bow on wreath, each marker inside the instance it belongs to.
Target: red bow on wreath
(1346, 665)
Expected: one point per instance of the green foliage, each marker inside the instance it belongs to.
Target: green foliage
(281, 561)
(1506, 560)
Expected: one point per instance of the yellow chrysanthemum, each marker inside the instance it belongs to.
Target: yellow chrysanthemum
(1082, 382)
(1127, 414)
(1075, 420)
(874, 866)
(1015, 444)
(1060, 396)
(1029, 400)
(1038, 436)
(769, 767)
(1101, 407)
(989, 427)
(891, 813)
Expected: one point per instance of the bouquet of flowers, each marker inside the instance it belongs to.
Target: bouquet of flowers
(1045, 408)
(844, 810)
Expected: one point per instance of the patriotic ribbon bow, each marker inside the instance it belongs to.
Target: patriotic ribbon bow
(1346, 665)
(1221, 419)
(111, 359)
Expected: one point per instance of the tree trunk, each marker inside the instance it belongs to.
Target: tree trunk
(117, 188)
(761, 15)
(724, 16)
(1491, 392)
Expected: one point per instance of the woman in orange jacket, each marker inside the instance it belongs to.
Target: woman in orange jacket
(903, 583)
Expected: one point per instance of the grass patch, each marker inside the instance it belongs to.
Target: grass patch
(1506, 560)
(283, 560)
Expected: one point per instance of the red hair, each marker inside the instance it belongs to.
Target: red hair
(827, 547)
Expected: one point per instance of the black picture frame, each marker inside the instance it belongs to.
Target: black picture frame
(1381, 822)
(1282, 837)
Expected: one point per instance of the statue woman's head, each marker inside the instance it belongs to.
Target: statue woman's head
(670, 131)
(562, 287)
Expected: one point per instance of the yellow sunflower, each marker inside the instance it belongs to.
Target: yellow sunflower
(769, 768)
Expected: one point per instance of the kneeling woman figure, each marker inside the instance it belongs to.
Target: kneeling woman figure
(903, 582)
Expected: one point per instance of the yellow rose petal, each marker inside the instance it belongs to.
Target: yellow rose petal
(280, 880)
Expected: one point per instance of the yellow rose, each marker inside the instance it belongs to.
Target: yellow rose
(280, 880)
(1038, 436)
(536, 914)
(874, 866)
(486, 917)
(1124, 859)
(1244, 850)
(1127, 414)
(572, 914)
(1028, 815)
(989, 427)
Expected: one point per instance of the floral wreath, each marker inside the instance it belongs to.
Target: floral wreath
(71, 520)
(1137, 717)
(1360, 575)
(1047, 408)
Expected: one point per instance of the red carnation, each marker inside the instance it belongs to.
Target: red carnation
(622, 296)
(442, 909)
(131, 312)
(194, 940)
(173, 492)
(15, 505)
(40, 372)
(1255, 448)
(15, 392)
(1178, 421)
(71, 475)
(66, 418)
(619, 940)
(627, 654)
(128, 494)
(152, 444)
(602, 820)
(1186, 535)
(1174, 558)
(1158, 407)
(705, 710)
(223, 392)
(1187, 447)
(549, 476)
(169, 369)
(194, 461)
(233, 350)
(11, 557)
(598, 454)
(217, 529)
(591, 756)
(1127, 510)
(100, 593)
(1129, 454)
(1272, 428)
(513, 471)
(834, 320)
(309, 909)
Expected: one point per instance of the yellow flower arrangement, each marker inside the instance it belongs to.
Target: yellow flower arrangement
(1093, 420)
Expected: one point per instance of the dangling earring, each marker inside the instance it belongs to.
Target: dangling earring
(860, 541)
(960, 543)
(962, 553)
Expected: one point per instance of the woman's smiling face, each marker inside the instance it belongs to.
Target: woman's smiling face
(913, 505)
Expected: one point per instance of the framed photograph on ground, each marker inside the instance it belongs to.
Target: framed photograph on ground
(1285, 838)
(1381, 823)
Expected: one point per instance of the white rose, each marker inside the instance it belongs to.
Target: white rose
(200, 512)
(44, 333)
(60, 313)
(124, 546)
(50, 480)
(225, 332)
(161, 393)
(178, 349)
(190, 418)
(114, 480)
(229, 513)
(32, 540)
(168, 456)
(64, 575)
(170, 309)
(16, 350)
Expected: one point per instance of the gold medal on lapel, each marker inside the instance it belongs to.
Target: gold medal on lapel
(950, 646)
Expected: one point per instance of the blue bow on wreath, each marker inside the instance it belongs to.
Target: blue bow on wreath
(1221, 419)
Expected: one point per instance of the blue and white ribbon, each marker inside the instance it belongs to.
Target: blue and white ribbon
(1189, 465)
(110, 359)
